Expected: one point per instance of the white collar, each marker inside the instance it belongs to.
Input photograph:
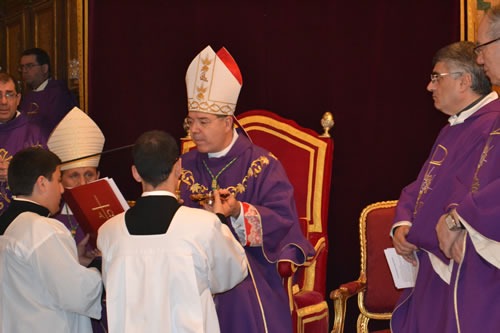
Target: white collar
(455, 120)
(42, 86)
(227, 149)
(27, 200)
(157, 193)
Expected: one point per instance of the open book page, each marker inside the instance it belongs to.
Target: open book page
(403, 273)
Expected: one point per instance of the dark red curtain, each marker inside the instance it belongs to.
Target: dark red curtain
(367, 62)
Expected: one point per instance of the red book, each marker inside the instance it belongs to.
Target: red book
(94, 203)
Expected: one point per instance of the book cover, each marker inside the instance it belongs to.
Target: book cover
(94, 203)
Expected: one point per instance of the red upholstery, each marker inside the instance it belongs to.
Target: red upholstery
(377, 295)
(384, 295)
(307, 159)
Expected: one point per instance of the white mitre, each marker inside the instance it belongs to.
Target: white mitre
(213, 82)
(76, 136)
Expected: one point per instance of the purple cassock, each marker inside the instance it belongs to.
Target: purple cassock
(98, 326)
(255, 177)
(46, 108)
(463, 172)
(15, 135)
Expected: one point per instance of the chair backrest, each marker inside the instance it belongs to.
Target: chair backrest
(380, 296)
(307, 159)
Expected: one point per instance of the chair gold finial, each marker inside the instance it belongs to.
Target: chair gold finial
(185, 125)
(327, 122)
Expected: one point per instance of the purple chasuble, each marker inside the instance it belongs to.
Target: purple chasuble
(46, 108)
(16, 135)
(258, 178)
(445, 182)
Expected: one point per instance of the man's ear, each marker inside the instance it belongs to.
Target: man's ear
(40, 186)
(98, 173)
(136, 174)
(229, 122)
(466, 80)
(45, 68)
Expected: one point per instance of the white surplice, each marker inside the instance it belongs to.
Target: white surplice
(164, 282)
(43, 287)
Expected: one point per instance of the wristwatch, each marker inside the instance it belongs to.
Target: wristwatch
(453, 224)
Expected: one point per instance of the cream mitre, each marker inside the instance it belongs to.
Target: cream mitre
(77, 135)
(213, 82)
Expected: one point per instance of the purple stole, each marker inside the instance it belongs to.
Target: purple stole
(46, 108)
(258, 178)
(16, 135)
(445, 181)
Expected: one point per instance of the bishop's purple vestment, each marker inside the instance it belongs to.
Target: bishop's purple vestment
(15, 135)
(46, 108)
(257, 178)
(459, 173)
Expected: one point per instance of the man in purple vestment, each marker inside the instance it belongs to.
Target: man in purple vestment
(48, 100)
(262, 216)
(429, 213)
(16, 133)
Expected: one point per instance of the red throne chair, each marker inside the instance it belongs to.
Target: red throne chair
(377, 295)
(307, 159)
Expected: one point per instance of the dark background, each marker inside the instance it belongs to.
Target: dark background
(367, 62)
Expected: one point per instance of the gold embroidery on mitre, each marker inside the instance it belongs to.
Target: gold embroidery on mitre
(219, 108)
(201, 92)
(204, 69)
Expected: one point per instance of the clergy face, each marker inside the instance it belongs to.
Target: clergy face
(54, 191)
(79, 176)
(9, 100)
(488, 55)
(210, 133)
(32, 72)
(446, 89)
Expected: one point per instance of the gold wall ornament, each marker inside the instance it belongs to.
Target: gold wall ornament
(327, 122)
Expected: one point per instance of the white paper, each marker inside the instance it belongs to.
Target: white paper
(403, 273)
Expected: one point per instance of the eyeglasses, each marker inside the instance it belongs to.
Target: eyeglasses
(480, 47)
(436, 76)
(9, 95)
(27, 67)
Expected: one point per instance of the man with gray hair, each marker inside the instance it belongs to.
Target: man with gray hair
(428, 229)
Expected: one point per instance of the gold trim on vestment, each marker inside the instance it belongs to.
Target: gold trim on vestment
(258, 297)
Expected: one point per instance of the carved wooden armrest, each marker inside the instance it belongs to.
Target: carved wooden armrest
(340, 297)
(286, 269)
